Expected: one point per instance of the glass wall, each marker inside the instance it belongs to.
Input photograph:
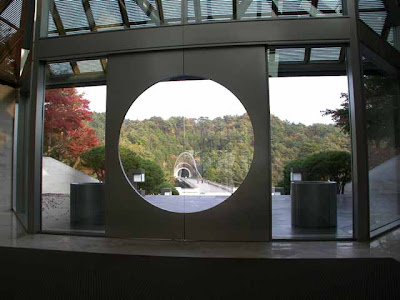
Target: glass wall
(8, 97)
(181, 155)
(81, 17)
(381, 94)
(310, 143)
(73, 170)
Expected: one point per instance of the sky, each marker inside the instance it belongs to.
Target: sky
(296, 99)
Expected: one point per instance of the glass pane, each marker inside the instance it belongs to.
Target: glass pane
(8, 96)
(381, 92)
(310, 143)
(73, 152)
(180, 155)
(373, 13)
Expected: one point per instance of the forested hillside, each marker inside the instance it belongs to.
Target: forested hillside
(222, 147)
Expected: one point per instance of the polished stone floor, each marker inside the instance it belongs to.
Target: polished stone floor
(56, 214)
(282, 221)
(12, 234)
(384, 210)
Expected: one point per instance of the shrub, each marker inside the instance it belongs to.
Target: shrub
(330, 165)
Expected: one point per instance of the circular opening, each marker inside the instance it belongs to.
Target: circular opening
(186, 145)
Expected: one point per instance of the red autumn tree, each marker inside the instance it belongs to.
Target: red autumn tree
(66, 133)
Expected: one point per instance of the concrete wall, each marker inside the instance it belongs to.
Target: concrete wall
(57, 177)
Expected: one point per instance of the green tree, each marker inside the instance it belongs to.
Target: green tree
(331, 165)
(382, 107)
(154, 176)
(95, 159)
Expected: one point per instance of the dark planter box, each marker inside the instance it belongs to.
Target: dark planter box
(87, 209)
(314, 204)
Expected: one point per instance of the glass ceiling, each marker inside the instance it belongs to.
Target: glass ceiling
(306, 61)
(374, 14)
(10, 39)
(73, 68)
(83, 16)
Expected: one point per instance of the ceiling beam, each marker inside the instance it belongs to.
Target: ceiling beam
(149, 10)
(9, 23)
(307, 55)
(89, 15)
(61, 31)
(81, 80)
(242, 8)
(124, 14)
(393, 10)
(342, 55)
(314, 8)
(92, 23)
(386, 28)
(4, 4)
(9, 46)
(377, 44)
(160, 11)
(274, 7)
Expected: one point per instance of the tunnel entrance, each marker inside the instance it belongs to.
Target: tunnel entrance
(184, 173)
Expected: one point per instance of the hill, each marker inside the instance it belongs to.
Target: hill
(222, 147)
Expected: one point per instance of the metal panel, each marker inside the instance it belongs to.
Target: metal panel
(127, 214)
(276, 31)
(246, 214)
(103, 43)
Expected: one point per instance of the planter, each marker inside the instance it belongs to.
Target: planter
(87, 210)
(314, 204)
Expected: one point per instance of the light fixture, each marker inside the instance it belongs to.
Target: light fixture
(138, 175)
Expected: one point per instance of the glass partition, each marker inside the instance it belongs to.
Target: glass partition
(310, 143)
(382, 99)
(73, 171)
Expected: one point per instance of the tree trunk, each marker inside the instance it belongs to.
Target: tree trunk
(78, 160)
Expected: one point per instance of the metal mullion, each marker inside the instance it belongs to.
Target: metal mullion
(235, 4)
(197, 10)
(361, 213)
(33, 138)
(184, 11)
